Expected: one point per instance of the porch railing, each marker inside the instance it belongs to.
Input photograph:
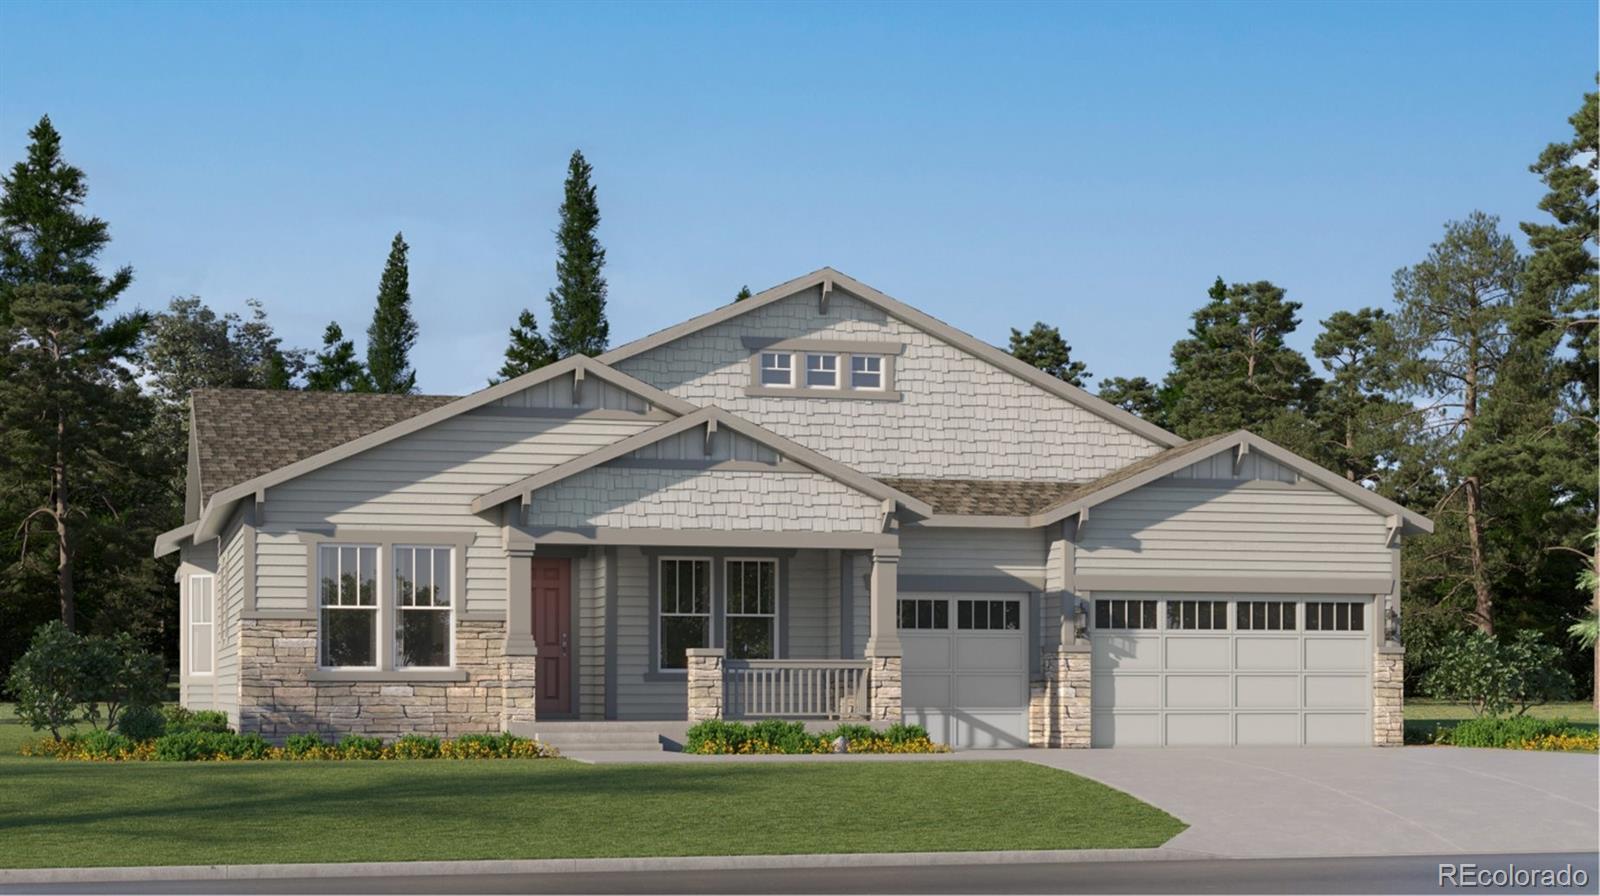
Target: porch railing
(799, 689)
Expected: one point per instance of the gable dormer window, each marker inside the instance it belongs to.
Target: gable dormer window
(777, 369)
(866, 372)
(822, 371)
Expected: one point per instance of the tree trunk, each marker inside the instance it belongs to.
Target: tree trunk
(1483, 606)
(58, 488)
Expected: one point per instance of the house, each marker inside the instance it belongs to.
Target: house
(816, 503)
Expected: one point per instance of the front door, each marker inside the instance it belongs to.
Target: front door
(552, 631)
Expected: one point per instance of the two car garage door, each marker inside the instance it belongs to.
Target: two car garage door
(1203, 669)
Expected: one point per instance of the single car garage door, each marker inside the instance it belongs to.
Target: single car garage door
(1206, 669)
(965, 672)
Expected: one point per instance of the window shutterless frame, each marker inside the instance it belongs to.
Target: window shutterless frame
(683, 598)
(423, 594)
(202, 624)
(822, 371)
(751, 586)
(351, 591)
(777, 369)
(866, 373)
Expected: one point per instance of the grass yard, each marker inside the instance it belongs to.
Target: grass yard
(55, 814)
(1425, 715)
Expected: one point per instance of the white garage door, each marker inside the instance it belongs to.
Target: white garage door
(965, 672)
(1206, 669)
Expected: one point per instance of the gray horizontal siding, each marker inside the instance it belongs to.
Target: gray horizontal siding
(972, 552)
(1172, 530)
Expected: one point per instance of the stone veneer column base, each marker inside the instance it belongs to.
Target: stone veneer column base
(706, 666)
(884, 683)
(518, 690)
(277, 699)
(1058, 704)
(1389, 697)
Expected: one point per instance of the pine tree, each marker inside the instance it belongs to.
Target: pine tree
(335, 368)
(1355, 417)
(393, 331)
(578, 303)
(528, 350)
(1235, 370)
(1043, 347)
(743, 293)
(1137, 396)
(68, 404)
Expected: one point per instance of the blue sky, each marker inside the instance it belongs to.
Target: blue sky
(1094, 166)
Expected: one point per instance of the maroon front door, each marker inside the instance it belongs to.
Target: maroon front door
(552, 631)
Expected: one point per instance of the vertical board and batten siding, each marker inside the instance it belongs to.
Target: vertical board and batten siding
(860, 603)
(591, 635)
(643, 693)
(958, 416)
(195, 692)
(230, 588)
(424, 481)
(972, 552)
(592, 395)
(691, 445)
(1170, 528)
(1224, 465)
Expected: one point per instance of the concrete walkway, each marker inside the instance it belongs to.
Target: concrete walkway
(1289, 802)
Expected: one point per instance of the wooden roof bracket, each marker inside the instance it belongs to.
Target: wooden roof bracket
(577, 386)
(822, 303)
(1239, 455)
(711, 430)
(1393, 533)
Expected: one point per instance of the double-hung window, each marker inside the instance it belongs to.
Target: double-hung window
(685, 612)
(423, 607)
(777, 369)
(822, 371)
(866, 372)
(752, 625)
(202, 624)
(348, 589)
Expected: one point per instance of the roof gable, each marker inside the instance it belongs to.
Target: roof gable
(826, 280)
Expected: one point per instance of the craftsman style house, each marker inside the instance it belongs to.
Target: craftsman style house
(816, 503)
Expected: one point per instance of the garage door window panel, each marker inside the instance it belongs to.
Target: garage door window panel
(1124, 614)
(989, 615)
(1265, 616)
(1334, 616)
(924, 614)
(1197, 615)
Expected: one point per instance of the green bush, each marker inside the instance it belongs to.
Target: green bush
(142, 723)
(355, 746)
(416, 746)
(65, 678)
(102, 744)
(1494, 676)
(718, 736)
(196, 746)
(300, 746)
(1505, 732)
(180, 720)
(900, 733)
(851, 732)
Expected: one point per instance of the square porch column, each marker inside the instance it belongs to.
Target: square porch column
(883, 641)
(705, 682)
(519, 663)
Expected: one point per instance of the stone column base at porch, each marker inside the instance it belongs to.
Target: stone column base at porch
(884, 682)
(1389, 697)
(1058, 703)
(518, 689)
(705, 683)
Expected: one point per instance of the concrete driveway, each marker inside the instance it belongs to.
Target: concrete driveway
(1287, 802)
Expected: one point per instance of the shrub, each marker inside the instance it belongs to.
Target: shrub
(900, 733)
(416, 746)
(102, 745)
(304, 746)
(1505, 732)
(50, 679)
(355, 746)
(1493, 676)
(198, 746)
(121, 676)
(142, 723)
(180, 720)
(718, 736)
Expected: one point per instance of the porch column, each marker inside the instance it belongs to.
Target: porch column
(518, 665)
(705, 682)
(883, 641)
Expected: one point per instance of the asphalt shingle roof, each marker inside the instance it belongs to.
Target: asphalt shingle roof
(986, 497)
(245, 433)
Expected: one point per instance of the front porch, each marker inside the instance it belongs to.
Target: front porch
(684, 632)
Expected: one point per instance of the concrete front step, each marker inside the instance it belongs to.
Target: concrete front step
(571, 737)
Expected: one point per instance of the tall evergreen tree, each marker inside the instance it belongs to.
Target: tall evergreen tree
(528, 350)
(1043, 347)
(335, 368)
(743, 293)
(1355, 417)
(68, 405)
(1235, 369)
(1137, 396)
(578, 303)
(1453, 328)
(393, 331)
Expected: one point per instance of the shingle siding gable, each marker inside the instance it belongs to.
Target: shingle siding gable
(959, 416)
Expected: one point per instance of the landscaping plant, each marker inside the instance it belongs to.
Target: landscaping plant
(723, 737)
(1493, 676)
(224, 746)
(66, 678)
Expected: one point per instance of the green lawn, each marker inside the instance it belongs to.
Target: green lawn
(71, 814)
(1425, 715)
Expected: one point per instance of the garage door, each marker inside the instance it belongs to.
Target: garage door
(1210, 670)
(965, 672)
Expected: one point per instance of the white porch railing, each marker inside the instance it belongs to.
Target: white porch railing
(800, 689)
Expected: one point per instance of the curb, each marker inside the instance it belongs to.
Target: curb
(24, 876)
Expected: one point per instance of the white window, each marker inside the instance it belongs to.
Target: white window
(822, 371)
(423, 621)
(202, 624)
(777, 369)
(866, 372)
(348, 586)
(685, 613)
(752, 624)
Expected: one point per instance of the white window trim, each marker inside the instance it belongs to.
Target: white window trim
(838, 373)
(777, 597)
(455, 599)
(762, 368)
(210, 625)
(379, 562)
(662, 614)
(882, 379)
